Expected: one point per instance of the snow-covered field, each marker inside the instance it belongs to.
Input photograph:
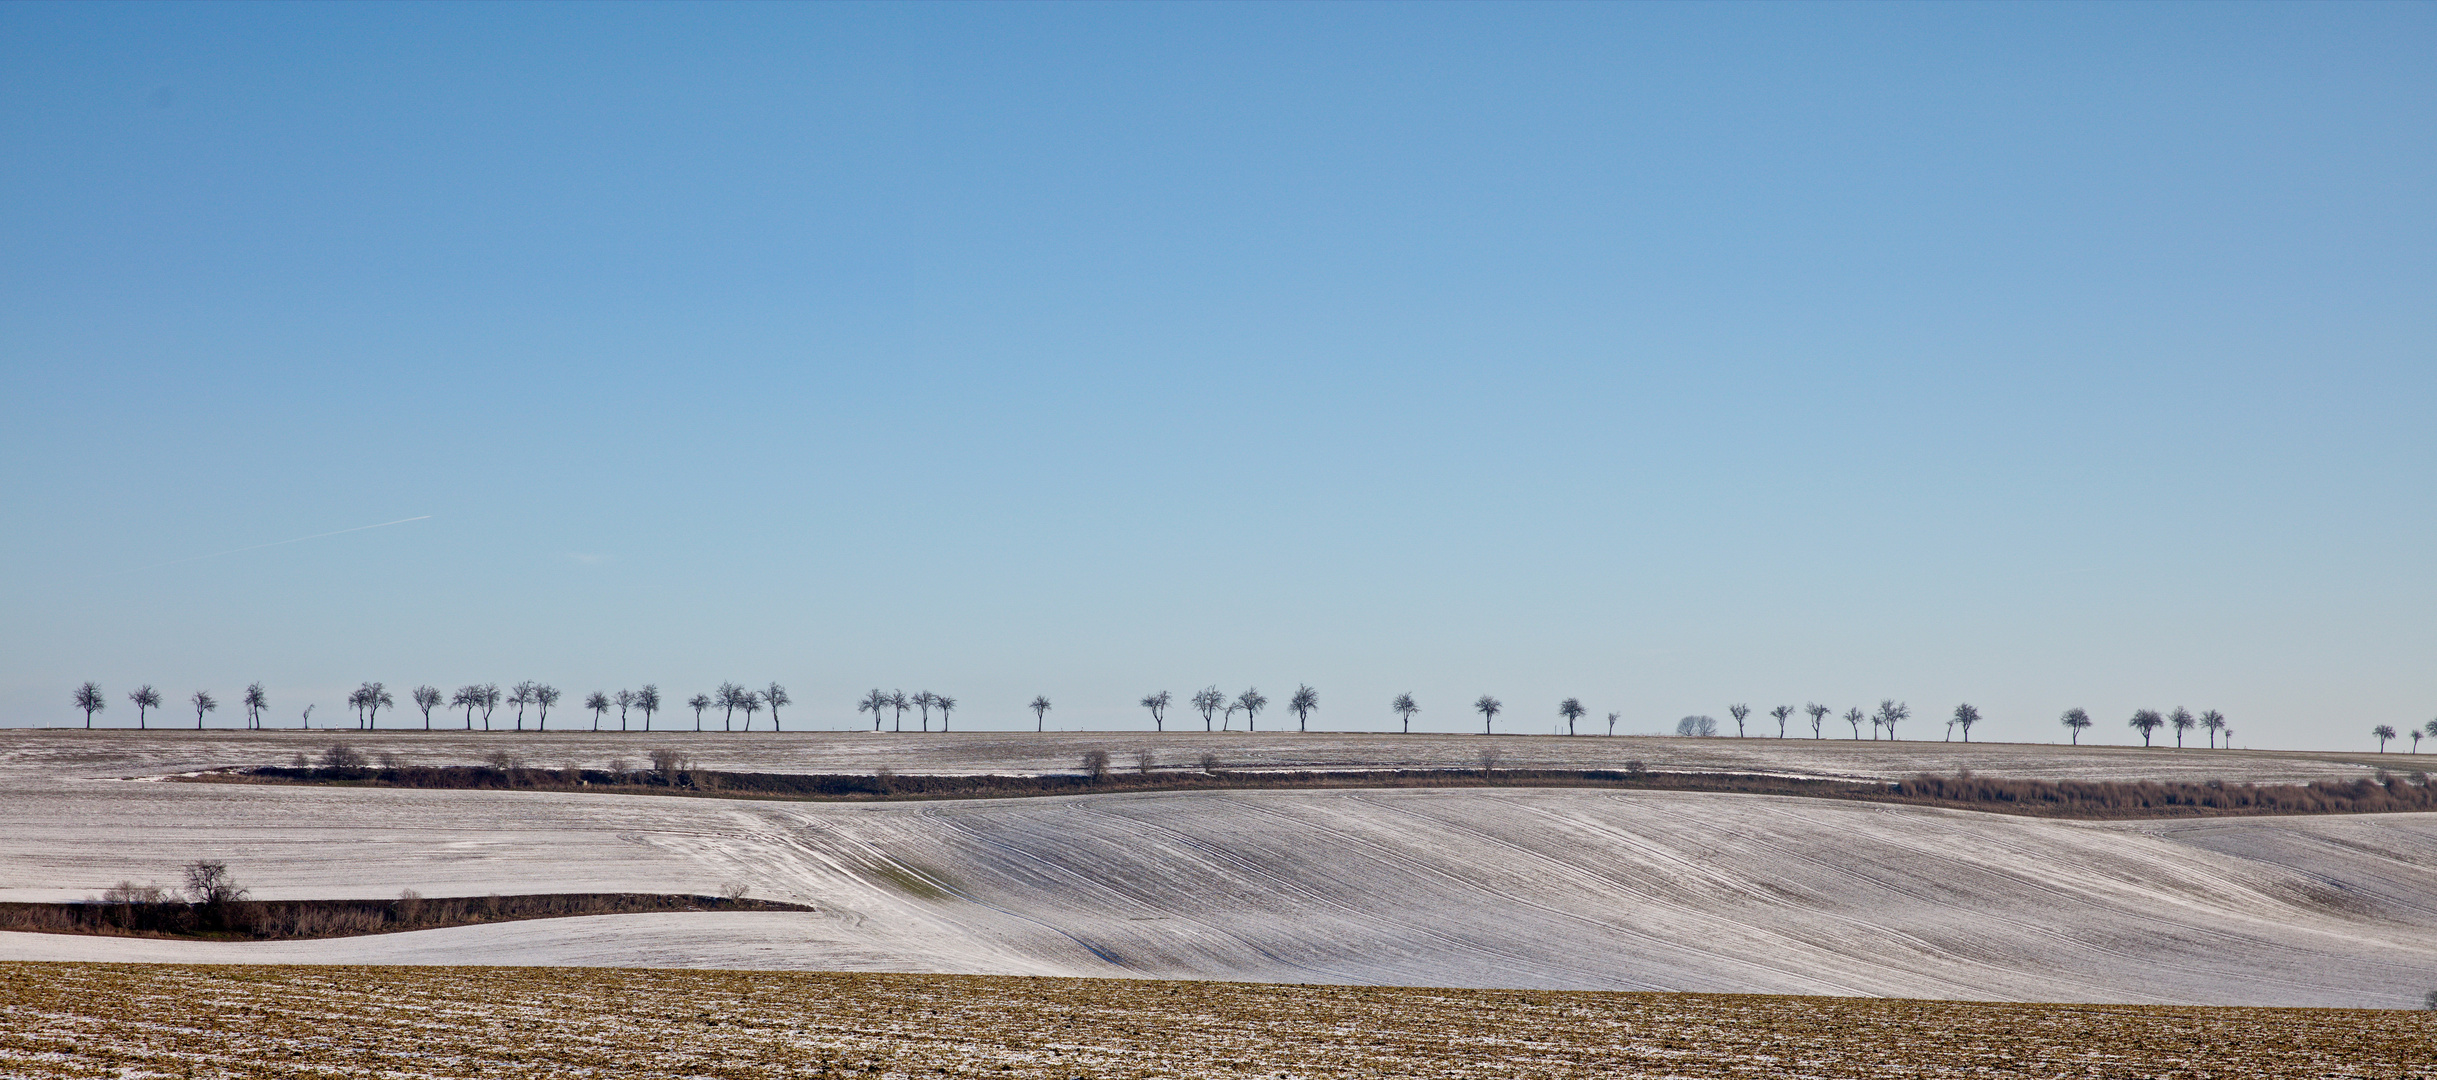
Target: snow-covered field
(1567, 888)
(53, 752)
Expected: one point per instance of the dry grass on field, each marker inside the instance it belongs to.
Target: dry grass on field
(115, 1020)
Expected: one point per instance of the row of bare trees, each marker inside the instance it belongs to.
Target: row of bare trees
(1218, 710)
(370, 698)
(2148, 721)
(2385, 733)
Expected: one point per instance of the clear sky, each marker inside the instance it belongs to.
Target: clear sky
(2032, 356)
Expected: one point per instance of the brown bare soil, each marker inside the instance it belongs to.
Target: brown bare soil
(279, 920)
(85, 1020)
(1963, 791)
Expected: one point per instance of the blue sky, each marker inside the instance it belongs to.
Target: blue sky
(1665, 356)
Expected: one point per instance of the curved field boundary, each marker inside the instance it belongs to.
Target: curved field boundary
(2086, 800)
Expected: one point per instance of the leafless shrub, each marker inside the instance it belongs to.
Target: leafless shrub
(735, 890)
(619, 769)
(1095, 762)
(208, 883)
(666, 764)
(299, 762)
(1489, 760)
(1143, 762)
(128, 892)
(1209, 763)
(341, 757)
(2420, 778)
(410, 906)
(1634, 767)
(392, 761)
(504, 761)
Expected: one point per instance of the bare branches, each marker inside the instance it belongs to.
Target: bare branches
(1405, 708)
(90, 698)
(1250, 702)
(2076, 720)
(1304, 700)
(1208, 701)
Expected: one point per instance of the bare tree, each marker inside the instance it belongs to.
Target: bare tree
(1891, 711)
(1488, 707)
(208, 883)
(2214, 721)
(144, 697)
(2384, 733)
(775, 695)
(2147, 722)
(1251, 702)
(874, 703)
(544, 696)
(491, 699)
(1738, 711)
(1612, 718)
(1781, 712)
(897, 701)
(1208, 702)
(751, 702)
(700, 702)
(1301, 703)
(625, 700)
(203, 703)
(1405, 708)
(90, 698)
(2076, 720)
(1700, 726)
(728, 697)
(467, 697)
(1040, 711)
(256, 703)
(1158, 704)
(1855, 716)
(1571, 709)
(1095, 762)
(1819, 715)
(1965, 717)
(945, 705)
(648, 700)
(521, 695)
(2181, 720)
(376, 698)
(427, 698)
(598, 702)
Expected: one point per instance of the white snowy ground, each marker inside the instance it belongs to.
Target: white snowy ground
(1480, 887)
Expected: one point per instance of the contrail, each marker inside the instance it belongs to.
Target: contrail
(274, 543)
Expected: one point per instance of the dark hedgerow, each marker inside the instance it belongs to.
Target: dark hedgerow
(2038, 798)
(150, 916)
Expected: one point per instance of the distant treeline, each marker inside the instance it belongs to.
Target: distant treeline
(156, 916)
(671, 773)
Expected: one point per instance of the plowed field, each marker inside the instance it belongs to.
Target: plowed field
(96, 1020)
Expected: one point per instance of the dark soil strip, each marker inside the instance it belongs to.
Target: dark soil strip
(288, 920)
(2035, 798)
